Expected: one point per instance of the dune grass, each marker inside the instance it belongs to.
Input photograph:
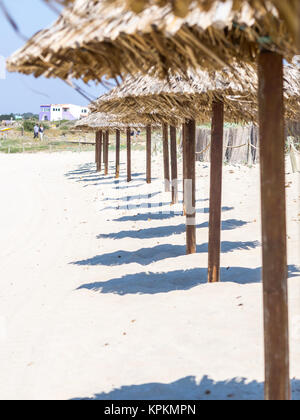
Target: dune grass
(18, 145)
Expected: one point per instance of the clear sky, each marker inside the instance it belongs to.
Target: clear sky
(19, 93)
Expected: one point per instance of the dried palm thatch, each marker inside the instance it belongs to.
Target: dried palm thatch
(97, 38)
(180, 8)
(176, 99)
(131, 116)
(60, 2)
(102, 121)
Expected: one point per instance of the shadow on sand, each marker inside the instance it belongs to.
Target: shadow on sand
(153, 283)
(163, 215)
(165, 231)
(146, 256)
(189, 388)
(88, 173)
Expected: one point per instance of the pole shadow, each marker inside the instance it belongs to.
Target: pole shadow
(150, 283)
(161, 215)
(146, 256)
(166, 231)
(189, 388)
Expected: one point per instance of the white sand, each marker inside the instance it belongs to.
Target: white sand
(97, 303)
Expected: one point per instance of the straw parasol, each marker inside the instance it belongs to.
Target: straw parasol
(176, 99)
(96, 38)
(102, 121)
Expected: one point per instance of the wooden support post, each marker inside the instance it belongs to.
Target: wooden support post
(273, 213)
(106, 152)
(183, 166)
(166, 157)
(128, 133)
(148, 154)
(118, 139)
(103, 146)
(216, 166)
(190, 185)
(174, 173)
(96, 147)
(298, 26)
(99, 150)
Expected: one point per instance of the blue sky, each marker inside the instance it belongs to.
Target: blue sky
(19, 93)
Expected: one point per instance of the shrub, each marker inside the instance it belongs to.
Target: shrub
(28, 125)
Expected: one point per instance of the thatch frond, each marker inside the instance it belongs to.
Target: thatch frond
(103, 121)
(177, 99)
(97, 38)
(62, 2)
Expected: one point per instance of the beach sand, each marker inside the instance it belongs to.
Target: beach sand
(98, 299)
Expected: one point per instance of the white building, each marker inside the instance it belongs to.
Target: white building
(59, 112)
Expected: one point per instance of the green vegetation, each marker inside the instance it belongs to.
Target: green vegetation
(28, 125)
(16, 145)
(25, 116)
(7, 117)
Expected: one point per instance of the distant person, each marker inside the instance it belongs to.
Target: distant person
(41, 132)
(36, 130)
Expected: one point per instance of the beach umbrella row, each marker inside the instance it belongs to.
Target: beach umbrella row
(103, 124)
(197, 97)
(93, 39)
(175, 99)
(98, 38)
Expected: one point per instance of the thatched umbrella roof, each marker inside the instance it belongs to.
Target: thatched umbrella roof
(181, 7)
(96, 38)
(176, 99)
(102, 121)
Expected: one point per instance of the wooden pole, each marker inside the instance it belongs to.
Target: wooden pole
(118, 140)
(174, 173)
(183, 165)
(96, 146)
(273, 213)
(106, 152)
(99, 150)
(216, 166)
(190, 185)
(128, 132)
(148, 154)
(166, 157)
(103, 146)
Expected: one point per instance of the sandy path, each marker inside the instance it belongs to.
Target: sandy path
(99, 300)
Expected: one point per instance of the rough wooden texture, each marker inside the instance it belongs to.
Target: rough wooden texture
(106, 153)
(104, 146)
(214, 243)
(148, 154)
(96, 147)
(174, 172)
(128, 155)
(166, 157)
(236, 141)
(274, 247)
(99, 150)
(190, 185)
(118, 139)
